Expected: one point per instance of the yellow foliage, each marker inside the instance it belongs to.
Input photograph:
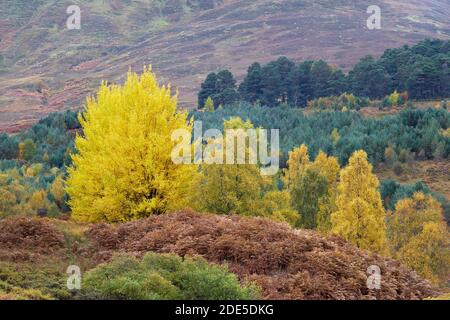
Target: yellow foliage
(276, 205)
(209, 104)
(335, 136)
(409, 217)
(428, 253)
(123, 168)
(359, 215)
(38, 200)
(57, 189)
(446, 132)
(328, 167)
(418, 236)
(296, 165)
(231, 188)
(393, 98)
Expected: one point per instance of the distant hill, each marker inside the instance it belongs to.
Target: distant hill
(45, 67)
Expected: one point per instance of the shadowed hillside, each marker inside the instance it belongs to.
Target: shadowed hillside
(45, 67)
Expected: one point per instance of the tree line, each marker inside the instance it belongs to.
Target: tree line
(422, 70)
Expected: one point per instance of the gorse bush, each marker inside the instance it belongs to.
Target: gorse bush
(164, 276)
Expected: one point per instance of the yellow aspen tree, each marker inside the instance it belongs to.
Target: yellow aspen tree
(360, 216)
(122, 168)
(335, 136)
(419, 238)
(329, 167)
(409, 217)
(209, 104)
(57, 189)
(428, 253)
(231, 188)
(38, 200)
(277, 206)
(297, 163)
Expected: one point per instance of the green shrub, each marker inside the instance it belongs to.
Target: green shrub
(31, 282)
(9, 292)
(163, 276)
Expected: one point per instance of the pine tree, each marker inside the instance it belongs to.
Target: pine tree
(359, 215)
(208, 89)
(251, 88)
(122, 169)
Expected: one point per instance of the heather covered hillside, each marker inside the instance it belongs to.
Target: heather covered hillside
(45, 67)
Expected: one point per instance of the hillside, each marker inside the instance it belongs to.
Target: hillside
(45, 67)
(286, 263)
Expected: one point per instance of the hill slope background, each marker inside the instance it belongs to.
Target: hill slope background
(45, 67)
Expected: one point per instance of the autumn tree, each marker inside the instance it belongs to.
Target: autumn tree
(328, 166)
(27, 150)
(335, 136)
(428, 253)
(296, 165)
(276, 205)
(209, 104)
(57, 189)
(122, 168)
(230, 188)
(359, 215)
(307, 193)
(418, 236)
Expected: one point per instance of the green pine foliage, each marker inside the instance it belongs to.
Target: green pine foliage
(417, 131)
(421, 70)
